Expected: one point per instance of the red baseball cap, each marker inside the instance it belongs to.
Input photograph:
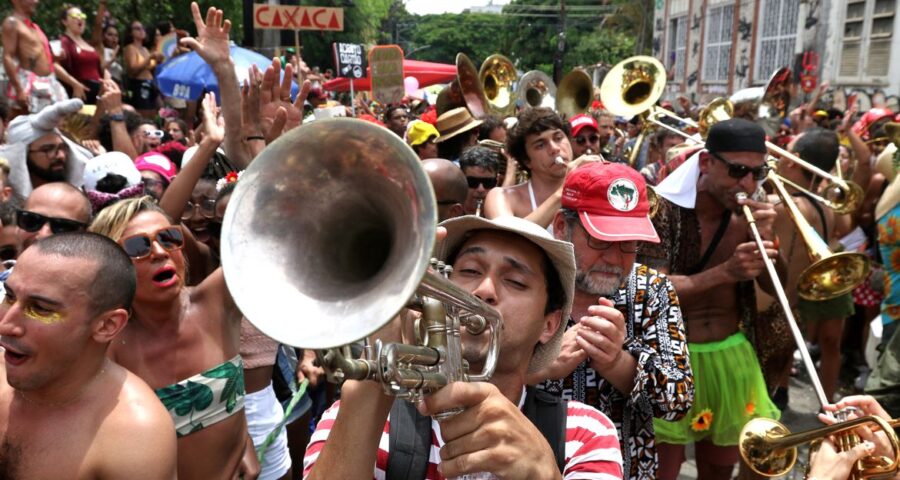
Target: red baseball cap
(611, 201)
(580, 121)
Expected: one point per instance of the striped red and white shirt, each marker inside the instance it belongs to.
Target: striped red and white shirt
(592, 446)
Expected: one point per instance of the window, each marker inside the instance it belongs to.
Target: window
(717, 51)
(677, 47)
(777, 37)
(866, 44)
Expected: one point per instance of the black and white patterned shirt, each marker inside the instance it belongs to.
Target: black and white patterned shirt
(663, 383)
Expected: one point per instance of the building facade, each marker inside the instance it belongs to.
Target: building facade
(713, 48)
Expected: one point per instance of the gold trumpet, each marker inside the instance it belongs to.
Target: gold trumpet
(770, 449)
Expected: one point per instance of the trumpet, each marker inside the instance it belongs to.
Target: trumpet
(358, 254)
(770, 449)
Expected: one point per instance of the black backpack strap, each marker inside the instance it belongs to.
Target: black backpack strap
(409, 442)
(548, 413)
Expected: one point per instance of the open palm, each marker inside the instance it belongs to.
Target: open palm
(211, 42)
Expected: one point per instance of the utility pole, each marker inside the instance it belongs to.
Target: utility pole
(561, 42)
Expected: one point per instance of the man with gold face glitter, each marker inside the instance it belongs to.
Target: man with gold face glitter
(66, 411)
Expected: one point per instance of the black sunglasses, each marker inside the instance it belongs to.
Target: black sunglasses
(488, 182)
(589, 139)
(32, 222)
(738, 171)
(140, 246)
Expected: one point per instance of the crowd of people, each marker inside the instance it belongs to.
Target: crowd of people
(639, 315)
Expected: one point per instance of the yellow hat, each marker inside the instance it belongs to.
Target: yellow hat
(420, 132)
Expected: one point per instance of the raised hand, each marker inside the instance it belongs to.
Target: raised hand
(602, 334)
(276, 111)
(212, 35)
(213, 125)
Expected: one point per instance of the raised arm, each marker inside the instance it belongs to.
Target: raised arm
(211, 44)
(110, 102)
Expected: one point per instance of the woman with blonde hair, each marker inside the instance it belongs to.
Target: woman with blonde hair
(183, 341)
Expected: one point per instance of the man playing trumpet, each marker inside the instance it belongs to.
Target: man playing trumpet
(528, 277)
(707, 251)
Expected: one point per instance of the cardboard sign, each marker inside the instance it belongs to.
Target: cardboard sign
(386, 62)
(349, 60)
(292, 17)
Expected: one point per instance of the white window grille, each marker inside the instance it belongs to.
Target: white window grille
(717, 45)
(777, 37)
(677, 47)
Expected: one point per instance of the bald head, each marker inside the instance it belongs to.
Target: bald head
(449, 185)
(54, 200)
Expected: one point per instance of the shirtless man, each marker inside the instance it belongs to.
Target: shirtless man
(824, 320)
(540, 143)
(28, 61)
(65, 410)
(712, 260)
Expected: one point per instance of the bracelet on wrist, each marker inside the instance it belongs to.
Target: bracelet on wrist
(117, 117)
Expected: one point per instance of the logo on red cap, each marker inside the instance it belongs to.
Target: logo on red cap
(622, 194)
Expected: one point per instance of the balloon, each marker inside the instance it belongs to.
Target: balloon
(410, 84)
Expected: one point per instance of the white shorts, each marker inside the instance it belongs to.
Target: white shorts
(264, 413)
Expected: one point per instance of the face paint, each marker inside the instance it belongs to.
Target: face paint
(49, 318)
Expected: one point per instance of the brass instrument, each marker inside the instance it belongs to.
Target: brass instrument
(324, 246)
(464, 91)
(631, 88)
(770, 449)
(574, 93)
(831, 274)
(765, 444)
(537, 89)
(497, 75)
(478, 204)
(767, 106)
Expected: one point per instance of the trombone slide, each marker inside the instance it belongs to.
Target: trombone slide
(785, 304)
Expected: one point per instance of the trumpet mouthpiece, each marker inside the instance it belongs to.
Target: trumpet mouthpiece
(740, 196)
(559, 160)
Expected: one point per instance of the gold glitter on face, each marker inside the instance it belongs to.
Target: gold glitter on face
(48, 318)
(36, 313)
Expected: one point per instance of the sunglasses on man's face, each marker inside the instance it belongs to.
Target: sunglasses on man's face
(588, 139)
(140, 246)
(154, 133)
(738, 171)
(488, 182)
(32, 222)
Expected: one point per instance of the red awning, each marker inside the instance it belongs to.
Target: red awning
(427, 73)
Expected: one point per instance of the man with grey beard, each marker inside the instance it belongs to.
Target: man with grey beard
(624, 351)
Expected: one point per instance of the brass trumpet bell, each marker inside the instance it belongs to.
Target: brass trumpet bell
(537, 89)
(575, 93)
(497, 75)
(767, 106)
(770, 449)
(830, 275)
(465, 91)
(633, 86)
(719, 109)
(322, 246)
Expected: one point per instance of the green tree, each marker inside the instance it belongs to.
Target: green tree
(362, 24)
(439, 38)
